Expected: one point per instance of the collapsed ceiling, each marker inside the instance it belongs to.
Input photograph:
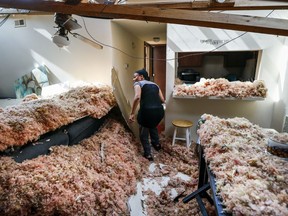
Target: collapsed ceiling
(196, 12)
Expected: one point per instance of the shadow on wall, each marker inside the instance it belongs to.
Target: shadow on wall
(278, 119)
(53, 79)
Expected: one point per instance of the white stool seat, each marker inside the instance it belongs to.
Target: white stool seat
(182, 124)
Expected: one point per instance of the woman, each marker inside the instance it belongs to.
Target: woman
(151, 111)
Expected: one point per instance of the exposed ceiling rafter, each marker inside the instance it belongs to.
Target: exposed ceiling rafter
(146, 13)
(193, 5)
(213, 4)
(204, 6)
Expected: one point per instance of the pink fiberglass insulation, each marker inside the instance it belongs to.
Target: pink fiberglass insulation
(96, 177)
(25, 122)
(222, 88)
(250, 180)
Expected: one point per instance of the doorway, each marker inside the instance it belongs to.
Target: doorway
(155, 64)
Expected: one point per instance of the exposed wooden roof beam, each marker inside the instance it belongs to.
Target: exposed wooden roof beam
(199, 5)
(212, 6)
(207, 7)
(197, 18)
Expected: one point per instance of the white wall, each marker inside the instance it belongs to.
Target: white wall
(127, 58)
(24, 48)
(285, 83)
(273, 64)
(278, 83)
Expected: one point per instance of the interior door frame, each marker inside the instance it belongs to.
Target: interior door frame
(155, 64)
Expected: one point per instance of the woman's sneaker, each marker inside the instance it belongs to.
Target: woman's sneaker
(149, 157)
(157, 147)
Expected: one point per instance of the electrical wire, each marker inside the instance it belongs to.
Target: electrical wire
(216, 48)
(107, 45)
(171, 59)
(120, 2)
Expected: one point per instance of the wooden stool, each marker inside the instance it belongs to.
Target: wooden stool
(184, 124)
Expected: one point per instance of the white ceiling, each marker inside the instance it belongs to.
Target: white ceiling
(144, 30)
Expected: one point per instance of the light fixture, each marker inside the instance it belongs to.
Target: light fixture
(60, 38)
(156, 39)
(220, 1)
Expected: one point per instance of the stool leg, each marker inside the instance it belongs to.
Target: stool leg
(174, 136)
(190, 137)
(187, 138)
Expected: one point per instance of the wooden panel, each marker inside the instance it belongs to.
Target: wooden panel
(238, 59)
(189, 60)
(159, 66)
(234, 60)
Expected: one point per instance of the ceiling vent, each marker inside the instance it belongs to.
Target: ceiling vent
(20, 23)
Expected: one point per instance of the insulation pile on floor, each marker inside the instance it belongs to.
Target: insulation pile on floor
(97, 177)
(175, 172)
(250, 180)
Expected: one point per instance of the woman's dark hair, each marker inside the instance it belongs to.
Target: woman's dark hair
(144, 73)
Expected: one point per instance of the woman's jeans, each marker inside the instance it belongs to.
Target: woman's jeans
(144, 138)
